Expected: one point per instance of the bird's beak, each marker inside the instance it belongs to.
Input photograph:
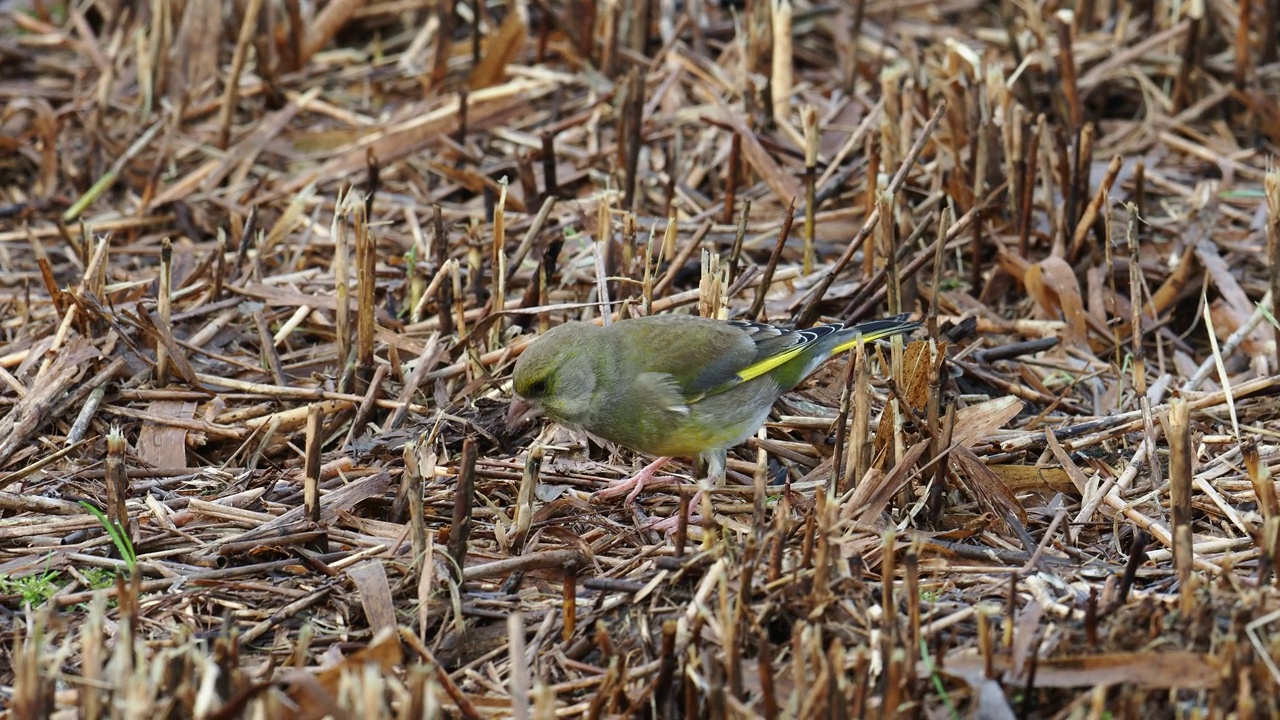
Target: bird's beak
(521, 412)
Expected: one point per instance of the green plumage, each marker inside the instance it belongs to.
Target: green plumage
(677, 385)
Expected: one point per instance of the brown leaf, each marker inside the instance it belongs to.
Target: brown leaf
(499, 51)
(282, 297)
(1025, 478)
(370, 579)
(46, 127)
(1025, 639)
(193, 56)
(325, 26)
(418, 131)
(165, 446)
(1227, 320)
(331, 504)
(1187, 270)
(1054, 287)
(310, 699)
(984, 485)
(916, 368)
(154, 327)
(1074, 473)
(1177, 669)
(871, 496)
(976, 423)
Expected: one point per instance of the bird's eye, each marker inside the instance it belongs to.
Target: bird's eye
(538, 388)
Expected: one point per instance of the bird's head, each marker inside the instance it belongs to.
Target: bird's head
(556, 376)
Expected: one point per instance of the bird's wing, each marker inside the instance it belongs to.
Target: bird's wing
(697, 354)
(776, 346)
(790, 355)
(707, 357)
(663, 391)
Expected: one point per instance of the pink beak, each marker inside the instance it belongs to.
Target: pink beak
(520, 412)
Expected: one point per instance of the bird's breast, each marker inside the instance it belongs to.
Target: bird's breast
(713, 422)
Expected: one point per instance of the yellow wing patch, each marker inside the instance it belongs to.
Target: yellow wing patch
(806, 339)
(802, 341)
(761, 367)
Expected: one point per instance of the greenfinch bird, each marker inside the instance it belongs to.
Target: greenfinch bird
(674, 385)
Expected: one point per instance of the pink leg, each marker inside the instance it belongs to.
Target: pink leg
(715, 476)
(633, 485)
(670, 524)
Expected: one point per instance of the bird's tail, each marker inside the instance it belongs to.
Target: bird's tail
(873, 330)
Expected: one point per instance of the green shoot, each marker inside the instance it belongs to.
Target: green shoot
(123, 545)
(937, 679)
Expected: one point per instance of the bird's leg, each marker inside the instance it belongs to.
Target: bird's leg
(670, 524)
(701, 500)
(633, 485)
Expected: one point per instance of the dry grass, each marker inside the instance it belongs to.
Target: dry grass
(263, 277)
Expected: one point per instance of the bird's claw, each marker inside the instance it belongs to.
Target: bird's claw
(632, 487)
(647, 477)
(669, 525)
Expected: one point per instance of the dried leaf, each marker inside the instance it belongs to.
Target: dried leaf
(165, 446)
(872, 495)
(370, 579)
(916, 360)
(1053, 285)
(984, 485)
(499, 51)
(976, 423)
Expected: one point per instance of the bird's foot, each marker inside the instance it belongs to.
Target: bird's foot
(669, 525)
(632, 486)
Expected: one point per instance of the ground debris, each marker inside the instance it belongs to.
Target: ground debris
(291, 254)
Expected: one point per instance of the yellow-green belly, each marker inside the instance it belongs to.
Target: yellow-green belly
(712, 423)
